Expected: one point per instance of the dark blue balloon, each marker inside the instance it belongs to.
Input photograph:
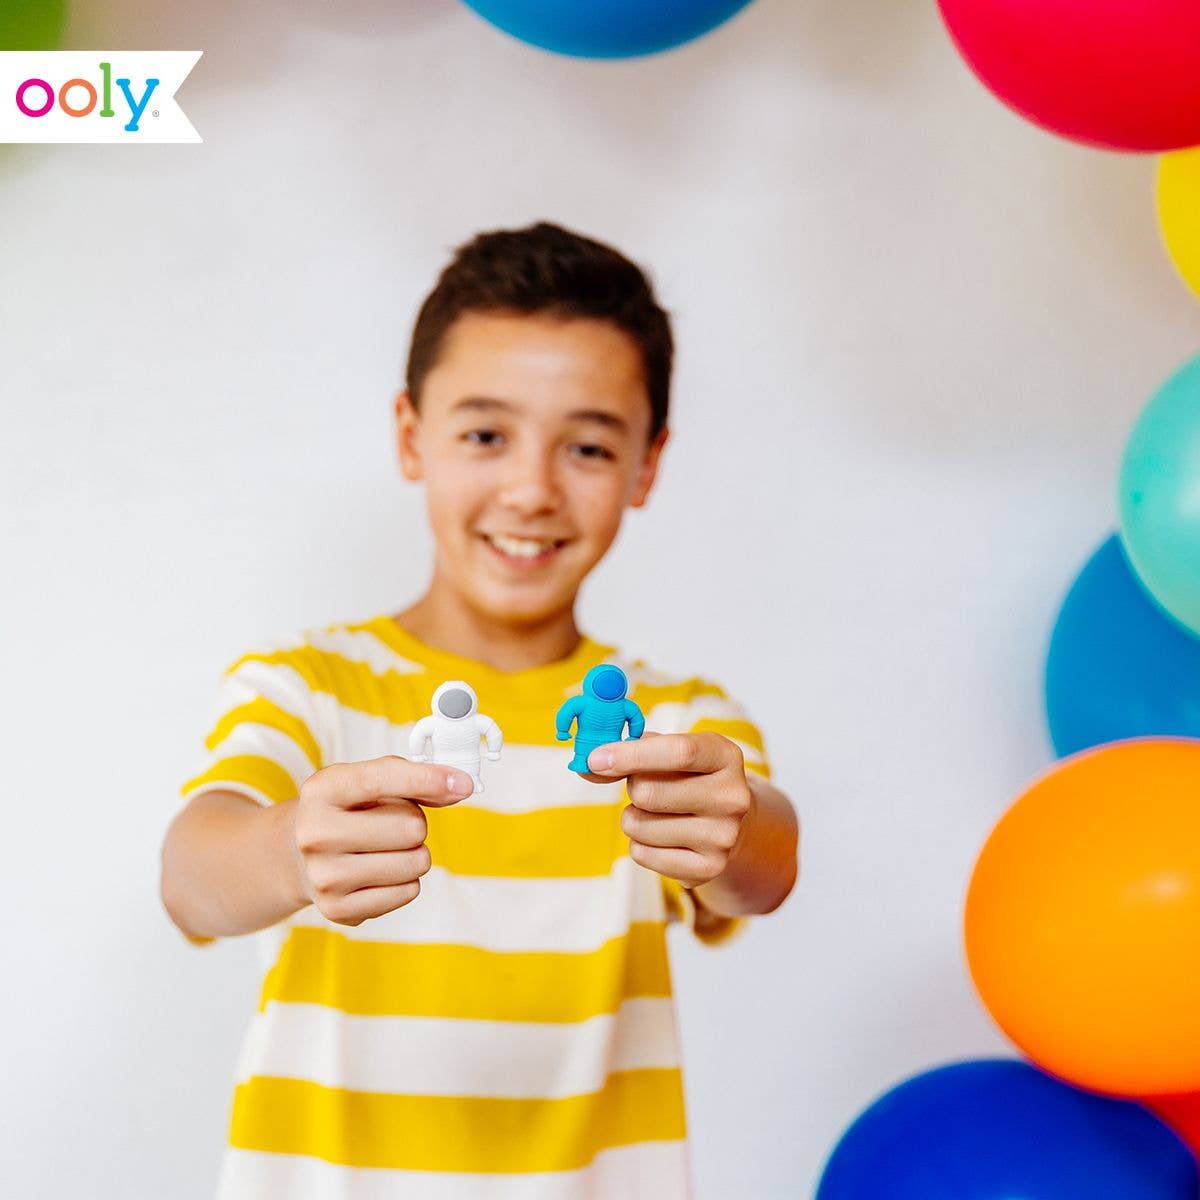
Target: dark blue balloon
(1118, 667)
(607, 28)
(1000, 1130)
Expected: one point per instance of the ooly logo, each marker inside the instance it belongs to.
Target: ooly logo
(94, 96)
(74, 106)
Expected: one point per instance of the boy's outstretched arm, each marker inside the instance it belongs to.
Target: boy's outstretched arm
(228, 866)
(762, 870)
(352, 843)
(696, 815)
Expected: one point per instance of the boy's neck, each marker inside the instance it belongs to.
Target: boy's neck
(442, 620)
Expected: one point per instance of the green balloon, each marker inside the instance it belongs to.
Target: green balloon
(32, 24)
(1160, 497)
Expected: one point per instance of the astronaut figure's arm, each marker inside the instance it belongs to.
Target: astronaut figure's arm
(422, 732)
(490, 731)
(567, 715)
(637, 723)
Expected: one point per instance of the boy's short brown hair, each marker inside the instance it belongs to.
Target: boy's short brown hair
(544, 268)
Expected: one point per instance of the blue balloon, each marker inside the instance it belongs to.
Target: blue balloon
(607, 28)
(998, 1129)
(1118, 666)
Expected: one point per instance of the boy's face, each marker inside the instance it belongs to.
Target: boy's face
(532, 438)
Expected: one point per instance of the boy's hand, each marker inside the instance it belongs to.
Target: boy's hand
(689, 800)
(359, 832)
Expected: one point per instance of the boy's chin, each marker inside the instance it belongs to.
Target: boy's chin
(523, 610)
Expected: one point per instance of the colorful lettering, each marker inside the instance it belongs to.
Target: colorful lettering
(62, 97)
(106, 71)
(136, 107)
(35, 112)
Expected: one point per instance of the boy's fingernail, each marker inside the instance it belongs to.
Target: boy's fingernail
(456, 784)
(600, 760)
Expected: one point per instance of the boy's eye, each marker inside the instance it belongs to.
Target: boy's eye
(590, 450)
(482, 437)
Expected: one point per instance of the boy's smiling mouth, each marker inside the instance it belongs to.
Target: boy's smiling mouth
(523, 551)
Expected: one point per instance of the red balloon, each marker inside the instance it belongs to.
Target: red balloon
(1182, 1113)
(1121, 74)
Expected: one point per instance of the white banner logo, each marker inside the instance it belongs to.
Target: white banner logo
(94, 95)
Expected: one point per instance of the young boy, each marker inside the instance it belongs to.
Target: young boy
(510, 1033)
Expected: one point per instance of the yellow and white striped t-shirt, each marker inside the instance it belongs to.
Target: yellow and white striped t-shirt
(509, 1034)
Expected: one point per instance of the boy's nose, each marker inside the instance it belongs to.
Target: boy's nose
(531, 489)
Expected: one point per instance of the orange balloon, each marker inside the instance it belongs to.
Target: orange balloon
(1083, 919)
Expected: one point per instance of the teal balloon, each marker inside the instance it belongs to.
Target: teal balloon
(1160, 497)
(32, 24)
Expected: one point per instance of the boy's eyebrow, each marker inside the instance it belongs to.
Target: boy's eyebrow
(492, 404)
(482, 404)
(601, 417)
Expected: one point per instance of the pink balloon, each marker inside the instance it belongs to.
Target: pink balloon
(1122, 74)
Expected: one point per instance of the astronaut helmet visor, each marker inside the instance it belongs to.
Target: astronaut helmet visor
(609, 683)
(455, 703)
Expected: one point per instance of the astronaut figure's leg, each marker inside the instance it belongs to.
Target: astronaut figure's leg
(469, 764)
(582, 750)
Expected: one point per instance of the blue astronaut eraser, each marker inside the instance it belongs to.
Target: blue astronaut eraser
(599, 715)
(453, 731)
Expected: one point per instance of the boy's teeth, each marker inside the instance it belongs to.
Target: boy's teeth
(520, 547)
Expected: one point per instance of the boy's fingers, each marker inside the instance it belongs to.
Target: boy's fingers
(592, 777)
(394, 778)
(686, 866)
(694, 753)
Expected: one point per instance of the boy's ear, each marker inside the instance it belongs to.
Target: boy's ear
(648, 471)
(407, 427)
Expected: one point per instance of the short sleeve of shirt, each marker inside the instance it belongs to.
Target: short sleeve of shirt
(705, 707)
(264, 738)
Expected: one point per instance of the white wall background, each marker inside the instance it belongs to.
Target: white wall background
(914, 332)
